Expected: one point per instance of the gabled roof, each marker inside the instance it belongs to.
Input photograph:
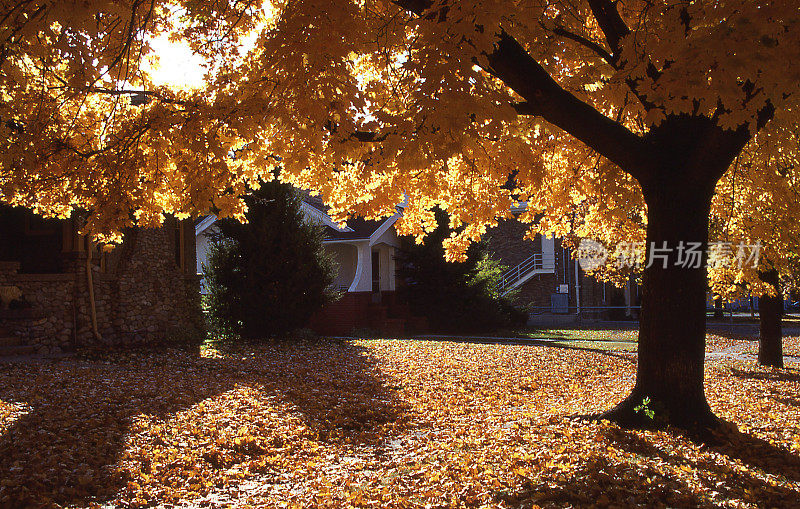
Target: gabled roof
(202, 223)
(357, 228)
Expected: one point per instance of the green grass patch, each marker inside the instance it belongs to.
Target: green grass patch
(591, 335)
(606, 346)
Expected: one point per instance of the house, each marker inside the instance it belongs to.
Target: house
(364, 252)
(58, 291)
(545, 279)
(549, 283)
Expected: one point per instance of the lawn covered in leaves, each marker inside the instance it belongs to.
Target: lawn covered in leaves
(380, 423)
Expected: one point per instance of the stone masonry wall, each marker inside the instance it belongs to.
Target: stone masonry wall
(145, 295)
(141, 296)
(49, 323)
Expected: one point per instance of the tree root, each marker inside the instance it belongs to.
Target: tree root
(698, 424)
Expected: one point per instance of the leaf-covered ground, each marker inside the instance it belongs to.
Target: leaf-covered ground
(381, 423)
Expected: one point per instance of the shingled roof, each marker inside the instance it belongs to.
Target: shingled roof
(357, 227)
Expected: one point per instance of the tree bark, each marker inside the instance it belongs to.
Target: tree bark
(672, 330)
(770, 347)
(718, 311)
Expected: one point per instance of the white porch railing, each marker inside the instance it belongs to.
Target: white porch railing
(537, 263)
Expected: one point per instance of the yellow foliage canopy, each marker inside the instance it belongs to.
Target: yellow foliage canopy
(371, 102)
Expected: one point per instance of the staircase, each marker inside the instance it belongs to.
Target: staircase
(537, 263)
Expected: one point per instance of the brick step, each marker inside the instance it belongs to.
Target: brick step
(8, 340)
(417, 324)
(392, 326)
(13, 351)
(399, 311)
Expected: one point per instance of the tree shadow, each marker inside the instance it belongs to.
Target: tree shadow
(550, 342)
(77, 413)
(642, 480)
(602, 483)
(782, 375)
(751, 451)
(759, 453)
(785, 399)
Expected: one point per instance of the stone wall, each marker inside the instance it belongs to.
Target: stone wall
(144, 294)
(48, 324)
(141, 295)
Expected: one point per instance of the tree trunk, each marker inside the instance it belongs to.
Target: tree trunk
(718, 311)
(669, 374)
(770, 347)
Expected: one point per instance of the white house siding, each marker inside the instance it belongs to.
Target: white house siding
(346, 256)
(388, 236)
(386, 245)
(202, 251)
(203, 243)
(387, 270)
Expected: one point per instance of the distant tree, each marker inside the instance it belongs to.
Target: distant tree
(267, 276)
(454, 296)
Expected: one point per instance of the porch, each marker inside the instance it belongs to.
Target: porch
(56, 293)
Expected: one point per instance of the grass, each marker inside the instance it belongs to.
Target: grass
(592, 335)
(588, 339)
(791, 319)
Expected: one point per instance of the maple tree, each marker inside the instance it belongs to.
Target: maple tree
(752, 203)
(435, 101)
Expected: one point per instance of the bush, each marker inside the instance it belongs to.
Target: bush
(453, 296)
(267, 276)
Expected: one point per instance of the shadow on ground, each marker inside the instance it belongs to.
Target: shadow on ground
(782, 375)
(78, 413)
(647, 480)
(553, 341)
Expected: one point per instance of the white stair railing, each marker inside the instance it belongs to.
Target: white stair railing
(514, 275)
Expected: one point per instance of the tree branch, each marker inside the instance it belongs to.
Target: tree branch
(614, 29)
(138, 95)
(583, 41)
(611, 23)
(544, 97)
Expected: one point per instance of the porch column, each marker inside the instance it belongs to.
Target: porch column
(362, 280)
